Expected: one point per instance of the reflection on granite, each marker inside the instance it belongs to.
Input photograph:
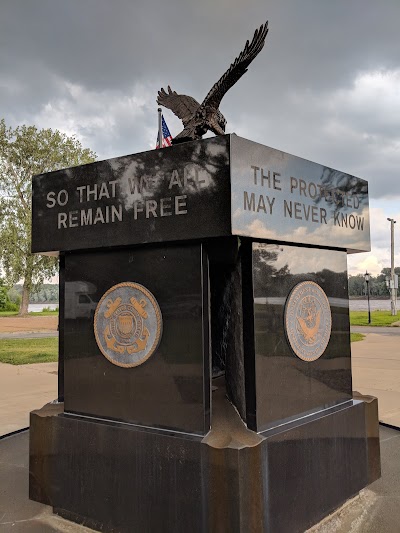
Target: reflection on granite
(287, 386)
(216, 187)
(161, 195)
(171, 388)
(232, 480)
(281, 197)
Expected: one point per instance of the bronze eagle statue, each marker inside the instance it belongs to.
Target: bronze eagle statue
(199, 118)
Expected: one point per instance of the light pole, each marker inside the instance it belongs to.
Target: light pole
(393, 288)
(366, 277)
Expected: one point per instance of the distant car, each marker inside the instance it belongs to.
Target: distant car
(78, 300)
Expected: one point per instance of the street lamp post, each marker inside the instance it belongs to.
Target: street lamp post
(366, 277)
(393, 288)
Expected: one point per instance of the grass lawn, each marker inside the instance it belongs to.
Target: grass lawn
(354, 337)
(26, 351)
(45, 350)
(378, 318)
(36, 313)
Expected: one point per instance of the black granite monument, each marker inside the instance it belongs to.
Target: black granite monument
(204, 369)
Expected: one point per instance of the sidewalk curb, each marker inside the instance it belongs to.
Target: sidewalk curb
(389, 426)
(13, 433)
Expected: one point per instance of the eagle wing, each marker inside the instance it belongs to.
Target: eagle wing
(304, 328)
(237, 68)
(183, 106)
(310, 333)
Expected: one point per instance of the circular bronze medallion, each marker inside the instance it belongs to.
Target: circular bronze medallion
(308, 320)
(128, 324)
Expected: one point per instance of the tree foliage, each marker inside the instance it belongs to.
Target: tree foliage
(3, 298)
(5, 303)
(46, 293)
(377, 285)
(24, 152)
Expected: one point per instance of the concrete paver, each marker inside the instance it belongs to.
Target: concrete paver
(22, 389)
(376, 372)
(380, 330)
(25, 387)
(17, 513)
(376, 509)
(28, 334)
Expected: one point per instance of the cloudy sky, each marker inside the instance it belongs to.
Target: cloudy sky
(326, 87)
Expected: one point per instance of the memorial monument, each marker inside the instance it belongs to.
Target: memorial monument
(204, 364)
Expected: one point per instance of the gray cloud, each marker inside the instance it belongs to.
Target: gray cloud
(94, 68)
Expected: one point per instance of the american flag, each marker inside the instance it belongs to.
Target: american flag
(166, 135)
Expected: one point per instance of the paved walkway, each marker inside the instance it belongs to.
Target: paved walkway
(376, 509)
(25, 387)
(384, 330)
(376, 372)
(22, 389)
(18, 514)
(29, 335)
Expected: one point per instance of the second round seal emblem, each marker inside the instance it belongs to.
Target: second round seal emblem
(308, 320)
(128, 324)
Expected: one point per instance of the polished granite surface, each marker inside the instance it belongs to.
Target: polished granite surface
(286, 386)
(171, 389)
(282, 197)
(111, 476)
(215, 187)
(177, 193)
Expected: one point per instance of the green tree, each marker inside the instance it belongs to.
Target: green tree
(3, 298)
(5, 302)
(385, 272)
(24, 152)
(357, 285)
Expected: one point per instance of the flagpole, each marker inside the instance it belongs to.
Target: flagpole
(160, 135)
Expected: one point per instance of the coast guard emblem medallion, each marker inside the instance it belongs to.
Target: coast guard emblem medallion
(127, 324)
(308, 320)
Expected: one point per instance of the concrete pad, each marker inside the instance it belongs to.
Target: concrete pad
(377, 508)
(28, 334)
(376, 372)
(31, 323)
(22, 389)
(18, 513)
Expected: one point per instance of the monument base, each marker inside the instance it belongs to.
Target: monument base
(116, 477)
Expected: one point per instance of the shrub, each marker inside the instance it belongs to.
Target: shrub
(3, 298)
(5, 303)
(10, 306)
